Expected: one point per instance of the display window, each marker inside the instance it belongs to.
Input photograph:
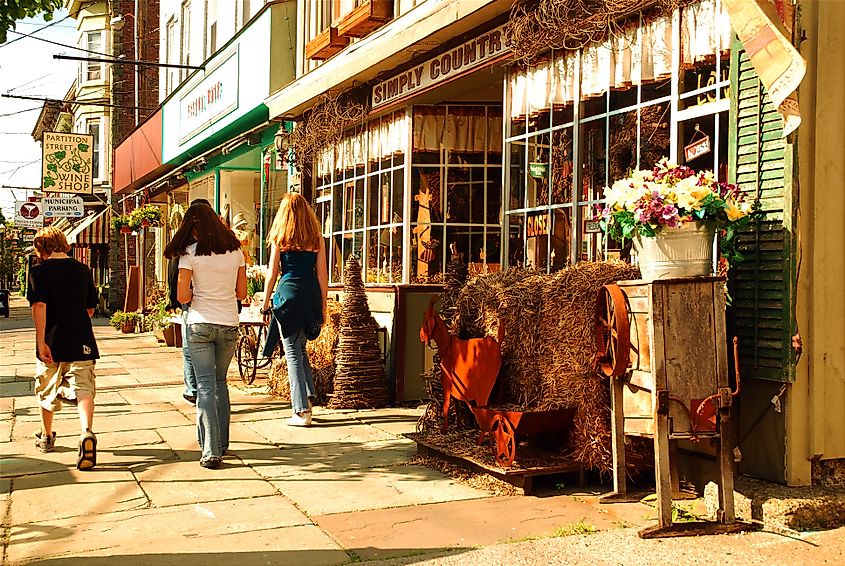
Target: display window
(579, 120)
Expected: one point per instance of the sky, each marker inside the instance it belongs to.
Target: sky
(27, 68)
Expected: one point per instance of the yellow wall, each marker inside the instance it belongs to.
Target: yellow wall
(816, 401)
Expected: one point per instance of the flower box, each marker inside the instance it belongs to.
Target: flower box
(366, 18)
(325, 44)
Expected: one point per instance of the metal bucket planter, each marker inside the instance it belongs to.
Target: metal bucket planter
(676, 252)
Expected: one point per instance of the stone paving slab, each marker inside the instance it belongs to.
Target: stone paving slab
(184, 481)
(325, 429)
(71, 493)
(376, 488)
(395, 421)
(264, 530)
(330, 457)
(383, 533)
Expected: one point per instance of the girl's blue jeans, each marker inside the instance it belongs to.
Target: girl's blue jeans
(211, 347)
(187, 367)
(299, 371)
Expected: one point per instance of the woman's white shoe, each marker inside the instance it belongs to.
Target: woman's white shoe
(300, 419)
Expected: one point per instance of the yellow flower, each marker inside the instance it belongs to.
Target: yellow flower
(735, 210)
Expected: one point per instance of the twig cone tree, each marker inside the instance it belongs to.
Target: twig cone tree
(359, 381)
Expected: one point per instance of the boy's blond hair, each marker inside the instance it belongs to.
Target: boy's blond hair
(296, 226)
(50, 239)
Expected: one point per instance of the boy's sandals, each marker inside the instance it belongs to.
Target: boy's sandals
(87, 452)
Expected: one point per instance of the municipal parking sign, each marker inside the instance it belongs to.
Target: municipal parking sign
(71, 207)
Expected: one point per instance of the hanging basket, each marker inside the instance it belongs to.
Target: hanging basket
(676, 252)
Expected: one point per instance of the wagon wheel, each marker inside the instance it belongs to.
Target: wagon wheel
(504, 441)
(247, 351)
(262, 362)
(613, 332)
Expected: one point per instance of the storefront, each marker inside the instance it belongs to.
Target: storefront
(215, 140)
(579, 120)
(416, 181)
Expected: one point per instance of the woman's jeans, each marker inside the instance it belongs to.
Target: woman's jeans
(299, 371)
(211, 347)
(187, 367)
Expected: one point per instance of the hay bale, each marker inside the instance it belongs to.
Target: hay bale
(321, 354)
(548, 350)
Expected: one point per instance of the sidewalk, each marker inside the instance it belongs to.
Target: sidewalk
(343, 491)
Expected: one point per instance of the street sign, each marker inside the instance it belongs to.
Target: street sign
(28, 215)
(55, 207)
(66, 165)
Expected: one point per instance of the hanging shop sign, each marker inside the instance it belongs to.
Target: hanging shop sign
(66, 165)
(469, 56)
(697, 148)
(29, 214)
(70, 207)
(212, 98)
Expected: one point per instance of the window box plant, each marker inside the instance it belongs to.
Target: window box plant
(120, 222)
(126, 322)
(145, 216)
(672, 213)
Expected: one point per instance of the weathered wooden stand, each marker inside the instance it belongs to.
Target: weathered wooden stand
(663, 346)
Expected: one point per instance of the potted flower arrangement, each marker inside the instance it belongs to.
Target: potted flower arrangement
(145, 216)
(672, 213)
(120, 222)
(255, 276)
(125, 321)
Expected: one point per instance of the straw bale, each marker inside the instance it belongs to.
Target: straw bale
(548, 349)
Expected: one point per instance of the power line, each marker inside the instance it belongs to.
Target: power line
(34, 32)
(59, 44)
(80, 102)
(128, 62)
(20, 112)
(15, 133)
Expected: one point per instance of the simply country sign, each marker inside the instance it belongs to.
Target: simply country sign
(72, 207)
(457, 61)
(66, 163)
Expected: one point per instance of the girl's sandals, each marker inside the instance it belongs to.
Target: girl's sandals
(87, 452)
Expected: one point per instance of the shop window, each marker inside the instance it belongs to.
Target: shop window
(360, 185)
(625, 122)
(456, 179)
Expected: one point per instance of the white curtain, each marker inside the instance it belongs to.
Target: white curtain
(468, 129)
(636, 56)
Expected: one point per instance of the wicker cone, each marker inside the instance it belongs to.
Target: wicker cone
(359, 381)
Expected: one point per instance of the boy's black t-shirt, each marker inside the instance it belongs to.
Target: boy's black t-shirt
(67, 288)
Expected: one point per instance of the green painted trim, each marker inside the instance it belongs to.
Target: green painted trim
(246, 122)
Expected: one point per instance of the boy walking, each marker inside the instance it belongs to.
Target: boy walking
(62, 296)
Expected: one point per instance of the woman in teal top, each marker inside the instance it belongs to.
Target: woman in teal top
(299, 301)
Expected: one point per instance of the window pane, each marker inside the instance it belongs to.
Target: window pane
(517, 175)
(516, 241)
(426, 254)
(561, 169)
(560, 238)
(654, 134)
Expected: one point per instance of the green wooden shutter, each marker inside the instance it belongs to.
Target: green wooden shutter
(760, 162)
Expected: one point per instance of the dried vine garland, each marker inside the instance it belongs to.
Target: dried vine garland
(323, 127)
(536, 26)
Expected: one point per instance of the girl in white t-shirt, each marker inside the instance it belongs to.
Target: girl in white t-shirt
(212, 277)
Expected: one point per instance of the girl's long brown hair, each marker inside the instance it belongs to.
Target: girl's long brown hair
(296, 226)
(202, 225)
